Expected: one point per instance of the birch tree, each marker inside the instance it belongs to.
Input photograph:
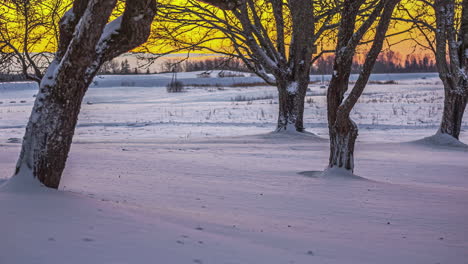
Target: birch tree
(446, 37)
(353, 27)
(275, 39)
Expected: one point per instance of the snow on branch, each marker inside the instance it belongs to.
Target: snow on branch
(111, 28)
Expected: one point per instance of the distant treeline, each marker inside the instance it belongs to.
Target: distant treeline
(114, 67)
(11, 77)
(218, 63)
(387, 62)
(170, 65)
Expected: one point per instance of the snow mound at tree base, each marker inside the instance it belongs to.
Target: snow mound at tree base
(440, 139)
(294, 134)
(24, 181)
(332, 173)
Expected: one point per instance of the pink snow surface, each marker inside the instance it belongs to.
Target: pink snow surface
(250, 199)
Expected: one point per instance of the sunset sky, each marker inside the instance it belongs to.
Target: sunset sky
(46, 40)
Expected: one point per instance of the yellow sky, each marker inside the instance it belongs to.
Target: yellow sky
(47, 42)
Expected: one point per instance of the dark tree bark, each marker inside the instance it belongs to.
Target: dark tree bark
(452, 117)
(343, 131)
(292, 87)
(452, 67)
(86, 41)
(291, 95)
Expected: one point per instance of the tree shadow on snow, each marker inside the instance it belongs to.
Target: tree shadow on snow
(292, 135)
(282, 137)
(333, 173)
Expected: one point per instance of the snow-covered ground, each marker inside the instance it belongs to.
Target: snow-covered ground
(196, 177)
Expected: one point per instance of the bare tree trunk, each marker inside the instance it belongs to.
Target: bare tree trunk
(343, 131)
(50, 129)
(53, 119)
(86, 41)
(454, 108)
(291, 105)
(452, 60)
(292, 87)
(343, 136)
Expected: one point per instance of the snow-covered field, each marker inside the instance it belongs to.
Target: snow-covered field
(196, 177)
(137, 110)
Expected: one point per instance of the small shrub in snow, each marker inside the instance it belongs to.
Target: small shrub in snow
(175, 87)
(204, 75)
